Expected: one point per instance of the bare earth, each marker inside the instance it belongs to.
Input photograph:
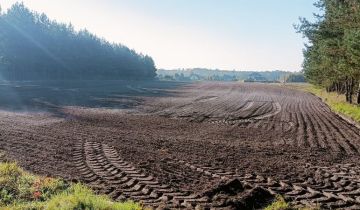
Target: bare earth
(204, 145)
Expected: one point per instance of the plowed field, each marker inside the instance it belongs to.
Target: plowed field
(202, 145)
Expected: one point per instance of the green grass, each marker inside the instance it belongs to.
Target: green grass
(336, 102)
(281, 204)
(278, 204)
(24, 191)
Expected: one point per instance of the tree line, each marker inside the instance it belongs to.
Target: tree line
(200, 74)
(295, 78)
(33, 47)
(332, 55)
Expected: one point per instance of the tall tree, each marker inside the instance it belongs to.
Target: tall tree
(332, 55)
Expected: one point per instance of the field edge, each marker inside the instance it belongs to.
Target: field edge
(20, 189)
(336, 102)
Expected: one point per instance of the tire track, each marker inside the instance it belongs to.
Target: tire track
(333, 187)
(101, 165)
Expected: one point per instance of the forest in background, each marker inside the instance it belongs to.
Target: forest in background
(332, 55)
(203, 74)
(33, 47)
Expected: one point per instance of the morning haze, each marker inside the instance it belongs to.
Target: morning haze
(231, 34)
(179, 104)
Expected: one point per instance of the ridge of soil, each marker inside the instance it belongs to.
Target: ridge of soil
(207, 145)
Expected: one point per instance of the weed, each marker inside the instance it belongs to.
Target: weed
(281, 204)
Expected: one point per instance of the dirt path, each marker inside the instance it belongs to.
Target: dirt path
(188, 149)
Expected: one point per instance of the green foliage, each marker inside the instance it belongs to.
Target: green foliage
(10, 175)
(80, 197)
(23, 191)
(33, 47)
(34, 205)
(295, 78)
(281, 204)
(332, 57)
(19, 186)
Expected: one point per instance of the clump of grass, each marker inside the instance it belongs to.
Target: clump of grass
(19, 186)
(10, 183)
(281, 204)
(24, 191)
(81, 197)
(34, 205)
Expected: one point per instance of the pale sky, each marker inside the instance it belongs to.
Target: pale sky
(223, 34)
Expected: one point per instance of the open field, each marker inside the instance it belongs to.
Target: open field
(221, 145)
(46, 95)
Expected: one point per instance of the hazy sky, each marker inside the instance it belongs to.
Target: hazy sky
(224, 34)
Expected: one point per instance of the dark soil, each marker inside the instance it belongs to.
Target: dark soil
(221, 145)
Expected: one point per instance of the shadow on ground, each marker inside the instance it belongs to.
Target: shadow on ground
(48, 95)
